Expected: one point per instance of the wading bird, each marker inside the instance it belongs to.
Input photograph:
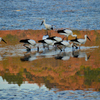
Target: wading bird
(47, 26)
(47, 42)
(64, 44)
(2, 40)
(55, 38)
(66, 33)
(79, 41)
(29, 42)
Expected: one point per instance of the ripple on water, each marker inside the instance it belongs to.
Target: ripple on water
(41, 94)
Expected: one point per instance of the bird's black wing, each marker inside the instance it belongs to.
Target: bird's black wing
(59, 43)
(52, 38)
(24, 40)
(41, 41)
(74, 40)
(61, 31)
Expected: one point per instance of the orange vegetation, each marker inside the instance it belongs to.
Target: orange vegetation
(65, 75)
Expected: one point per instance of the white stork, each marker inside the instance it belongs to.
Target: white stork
(47, 26)
(29, 42)
(55, 38)
(80, 41)
(63, 43)
(47, 42)
(66, 33)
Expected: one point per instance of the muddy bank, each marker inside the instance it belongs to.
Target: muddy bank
(16, 35)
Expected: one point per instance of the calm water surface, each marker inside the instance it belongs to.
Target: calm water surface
(28, 14)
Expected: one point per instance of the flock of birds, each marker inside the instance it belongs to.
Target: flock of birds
(55, 41)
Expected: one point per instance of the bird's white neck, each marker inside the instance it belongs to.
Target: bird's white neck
(44, 22)
(85, 37)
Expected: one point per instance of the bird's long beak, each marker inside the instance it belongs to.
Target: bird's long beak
(88, 38)
(42, 23)
(4, 41)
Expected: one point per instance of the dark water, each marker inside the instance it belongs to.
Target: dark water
(28, 14)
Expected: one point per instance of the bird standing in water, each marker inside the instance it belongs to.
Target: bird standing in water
(66, 33)
(29, 42)
(80, 41)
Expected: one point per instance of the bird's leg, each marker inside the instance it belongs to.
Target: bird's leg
(59, 48)
(43, 45)
(48, 47)
(37, 48)
(49, 34)
(76, 46)
(79, 47)
(55, 46)
(46, 32)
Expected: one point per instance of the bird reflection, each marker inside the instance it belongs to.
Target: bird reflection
(63, 56)
(29, 57)
(79, 54)
(49, 53)
(2, 56)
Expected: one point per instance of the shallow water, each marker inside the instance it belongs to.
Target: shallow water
(28, 14)
(49, 74)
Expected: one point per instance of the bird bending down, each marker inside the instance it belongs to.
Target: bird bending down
(63, 43)
(2, 40)
(66, 33)
(47, 42)
(47, 26)
(55, 38)
(80, 41)
(29, 42)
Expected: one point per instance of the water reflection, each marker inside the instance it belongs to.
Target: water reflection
(74, 54)
(2, 56)
(45, 68)
(29, 57)
(80, 54)
(63, 56)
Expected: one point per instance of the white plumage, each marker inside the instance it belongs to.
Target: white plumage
(63, 43)
(45, 37)
(55, 38)
(80, 41)
(28, 42)
(47, 41)
(66, 32)
(47, 26)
